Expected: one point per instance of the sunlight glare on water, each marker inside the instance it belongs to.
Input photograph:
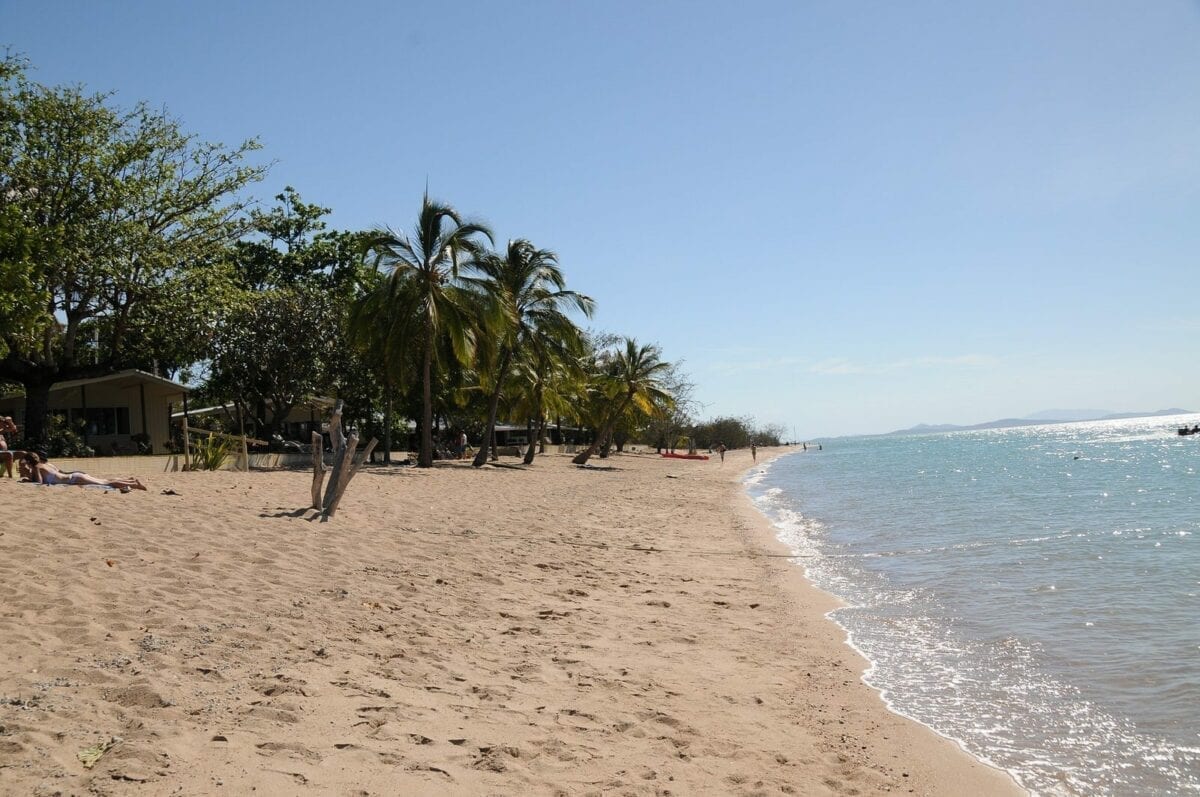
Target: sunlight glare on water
(1029, 592)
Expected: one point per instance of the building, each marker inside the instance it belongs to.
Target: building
(310, 415)
(112, 410)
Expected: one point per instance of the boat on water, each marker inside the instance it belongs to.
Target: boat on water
(1184, 431)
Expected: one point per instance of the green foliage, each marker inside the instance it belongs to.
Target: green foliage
(285, 320)
(444, 306)
(526, 297)
(104, 215)
(735, 433)
(211, 452)
(627, 382)
(63, 440)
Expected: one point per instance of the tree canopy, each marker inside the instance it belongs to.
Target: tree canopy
(111, 222)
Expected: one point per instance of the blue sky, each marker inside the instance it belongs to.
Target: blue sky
(844, 217)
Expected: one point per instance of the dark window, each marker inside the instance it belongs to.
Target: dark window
(101, 420)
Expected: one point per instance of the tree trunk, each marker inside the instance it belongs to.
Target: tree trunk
(425, 458)
(37, 411)
(387, 428)
(493, 405)
(495, 448)
(584, 456)
(539, 447)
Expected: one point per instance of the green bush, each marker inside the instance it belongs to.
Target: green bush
(210, 453)
(64, 441)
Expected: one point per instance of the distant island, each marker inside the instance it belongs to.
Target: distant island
(1040, 418)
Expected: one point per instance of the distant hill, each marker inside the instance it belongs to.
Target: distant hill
(1060, 416)
(1038, 419)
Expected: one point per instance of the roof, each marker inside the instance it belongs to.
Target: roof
(130, 376)
(317, 402)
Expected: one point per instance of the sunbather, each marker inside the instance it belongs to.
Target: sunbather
(47, 473)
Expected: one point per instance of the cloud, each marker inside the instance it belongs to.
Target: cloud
(761, 364)
(837, 365)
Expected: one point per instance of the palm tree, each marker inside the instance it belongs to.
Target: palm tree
(528, 291)
(382, 325)
(634, 379)
(443, 302)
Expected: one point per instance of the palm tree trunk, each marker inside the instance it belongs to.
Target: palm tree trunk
(493, 405)
(425, 458)
(534, 447)
(583, 457)
(387, 427)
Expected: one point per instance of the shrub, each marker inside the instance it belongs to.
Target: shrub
(64, 441)
(210, 453)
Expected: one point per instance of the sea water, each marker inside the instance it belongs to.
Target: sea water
(1031, 593)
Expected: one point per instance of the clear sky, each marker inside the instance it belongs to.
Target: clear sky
(844, 217)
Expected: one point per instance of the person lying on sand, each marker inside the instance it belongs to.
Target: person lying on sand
(46, 473)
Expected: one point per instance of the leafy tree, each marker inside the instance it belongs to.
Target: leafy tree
(529, 291)
(633, 380)
(735, 433)
(663, 430)
(294, 280)
(441, 245)
(105, 214)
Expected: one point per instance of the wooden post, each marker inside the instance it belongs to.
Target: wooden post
(187, 445)
(187, 455)
(318, 456)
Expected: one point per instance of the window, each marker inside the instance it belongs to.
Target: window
(101, 420)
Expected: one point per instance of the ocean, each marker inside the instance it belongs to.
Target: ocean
(1032, 593)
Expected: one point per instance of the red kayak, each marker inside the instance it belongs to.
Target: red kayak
(685, 456)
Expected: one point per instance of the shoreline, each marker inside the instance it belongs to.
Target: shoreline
(551, 630)
(772, 542)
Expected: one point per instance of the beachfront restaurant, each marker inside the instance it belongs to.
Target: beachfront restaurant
(128, 412)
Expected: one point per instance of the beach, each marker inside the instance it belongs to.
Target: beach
(628, 628)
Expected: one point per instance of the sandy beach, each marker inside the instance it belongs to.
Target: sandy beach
(550, 630)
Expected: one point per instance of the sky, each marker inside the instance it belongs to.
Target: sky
(843, 218)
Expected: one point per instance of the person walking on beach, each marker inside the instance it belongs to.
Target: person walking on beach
(721, 451)
(754, 452)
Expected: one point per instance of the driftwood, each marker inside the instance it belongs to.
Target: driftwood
(344, 464)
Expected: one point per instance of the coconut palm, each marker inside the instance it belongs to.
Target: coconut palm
(383, 326)
(444, 304)
(528, 291)
(633, 379)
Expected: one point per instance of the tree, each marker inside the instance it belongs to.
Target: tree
(440, 246)
(634, 379)
(529, 291)
(105, 215)
(294, 279)
(663, 430)
(383, 326)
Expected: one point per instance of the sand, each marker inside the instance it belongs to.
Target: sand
(453, 631)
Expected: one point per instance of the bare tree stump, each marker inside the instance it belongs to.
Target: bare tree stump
(345, 464)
